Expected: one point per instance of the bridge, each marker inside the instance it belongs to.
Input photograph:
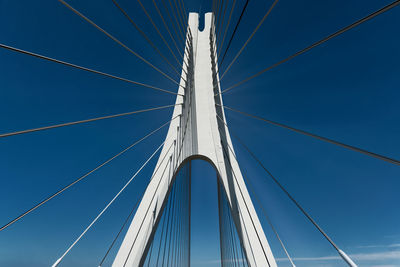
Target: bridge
(158, 228)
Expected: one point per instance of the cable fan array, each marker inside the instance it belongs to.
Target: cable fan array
(169, 242)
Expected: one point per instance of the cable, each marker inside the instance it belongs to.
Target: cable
(251, 36)
(232, 238)
(231, 251)
(220, 29)
(145, 36)
(151, 251)
(171, 158)
(175, 231)
(174, 227)
(167, 28)
(82, 68)
(226, 156)
(346, 258)
(168, 164)
(186, 210)
(133, 209)
(359, 150)
(82, 177)
(234, 31)
(213, 10)
(158, 31)
(268, 220)
(172, 22)
(167, 208)
(183, 10)
(221, 228)
(180, 17)
(262, 208)
(168, 225)
(169, 232)
(339, 32)
(181, 31)
(247, 208)
(218, 18)
(177, 159)
(117, 41)
(214, 15)
(107, 206)
(215, 46)
(227, 27)
(119, 232)
(148, 208)
(83, 121)
(188, 238)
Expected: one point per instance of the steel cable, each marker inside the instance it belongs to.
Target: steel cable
(250, 37)
(146, 37)
(220, 29)
(177, 33)
(221, 45)
(167, 28)
(218, 18)
(57, 262)
(247, 208)
(180, 17)
(250, 185)
(183, 10)
(83, 68)
(178, 25)
(339, 32)
(82, 177)
(235, 30)
(294, 200)
(117, 41)
(83, 121)
(157, 30)
(359, 150)
(133, 209)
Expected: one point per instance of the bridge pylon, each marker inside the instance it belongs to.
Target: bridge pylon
(198, 131)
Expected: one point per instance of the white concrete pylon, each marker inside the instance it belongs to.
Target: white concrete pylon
(197, 134)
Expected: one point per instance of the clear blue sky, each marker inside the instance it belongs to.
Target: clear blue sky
(346, 89)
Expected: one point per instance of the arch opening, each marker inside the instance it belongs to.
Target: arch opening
(207, 237)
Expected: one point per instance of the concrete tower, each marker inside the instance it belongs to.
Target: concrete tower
(197, 132)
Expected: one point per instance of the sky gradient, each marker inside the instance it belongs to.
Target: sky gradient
(346, 89)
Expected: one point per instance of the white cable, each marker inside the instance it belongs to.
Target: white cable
(106, 207)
